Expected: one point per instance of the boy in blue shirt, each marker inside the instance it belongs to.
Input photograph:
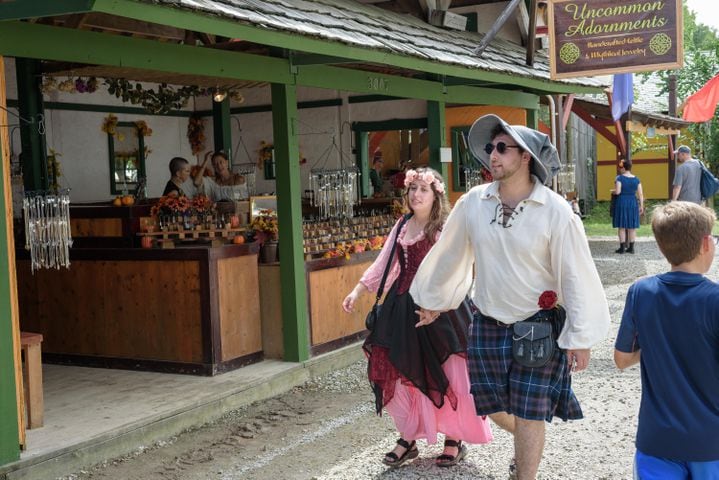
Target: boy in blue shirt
(671, 326)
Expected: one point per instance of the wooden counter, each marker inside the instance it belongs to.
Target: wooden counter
(328, 283)
(104, 225)
(190, 310)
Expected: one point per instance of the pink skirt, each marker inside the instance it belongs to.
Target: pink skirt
(416, 417)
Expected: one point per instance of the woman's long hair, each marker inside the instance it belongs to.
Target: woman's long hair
(440, 206)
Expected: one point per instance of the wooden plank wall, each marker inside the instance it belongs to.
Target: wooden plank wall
(327, 289)
(126, 309)
(96, 227)
(239, 306)
(271, 311)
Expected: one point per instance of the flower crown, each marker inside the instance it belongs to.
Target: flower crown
(427, 177)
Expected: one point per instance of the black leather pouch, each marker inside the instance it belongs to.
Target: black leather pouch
(533, 343)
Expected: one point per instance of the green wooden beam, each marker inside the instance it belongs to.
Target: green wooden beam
(22, 39)
(9, 435)
(293, 282)
(209, 23)
(87, 107)
(221, 127)
(394, 124)
(362, 159)
(371, 98)
(533, 117)
(32, 136)
(17, 10)
(315, 59)
(437, 138)
(332, 102)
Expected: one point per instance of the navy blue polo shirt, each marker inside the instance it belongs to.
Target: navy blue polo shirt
(673, 319)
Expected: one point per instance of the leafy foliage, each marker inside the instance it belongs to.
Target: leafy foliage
(701, 64)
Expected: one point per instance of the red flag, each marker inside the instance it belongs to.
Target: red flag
(701, 106)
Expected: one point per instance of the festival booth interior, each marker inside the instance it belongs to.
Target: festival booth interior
(213, 308)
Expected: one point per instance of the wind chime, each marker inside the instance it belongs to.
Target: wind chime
(334, 190)
(471, 166)
(472, 177)
(249, 171)
(47, 228)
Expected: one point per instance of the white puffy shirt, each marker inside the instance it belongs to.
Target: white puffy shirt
(543, 247)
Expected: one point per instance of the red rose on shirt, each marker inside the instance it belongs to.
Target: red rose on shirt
(547, 300)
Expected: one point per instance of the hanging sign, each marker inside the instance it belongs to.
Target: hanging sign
(598, 37)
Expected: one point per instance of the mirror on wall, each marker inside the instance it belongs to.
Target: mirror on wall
(127, 158)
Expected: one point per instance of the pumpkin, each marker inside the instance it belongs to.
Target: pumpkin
(128, 200)
(238, 240)
(146, 242)
(117, 201)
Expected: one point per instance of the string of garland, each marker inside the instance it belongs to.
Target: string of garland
(163, 100)
(157, 100)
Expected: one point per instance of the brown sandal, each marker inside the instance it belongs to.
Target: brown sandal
(445, 460)
(392, 460)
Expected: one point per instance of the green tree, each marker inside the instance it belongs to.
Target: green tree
(701, 64)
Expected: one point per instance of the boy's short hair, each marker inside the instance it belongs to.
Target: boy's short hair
(679, 228)
(177, 164)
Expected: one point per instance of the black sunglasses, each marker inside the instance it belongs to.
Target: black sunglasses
(501, 148)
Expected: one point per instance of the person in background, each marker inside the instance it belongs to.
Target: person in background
(418, 374)
(528, 254)
(670, 325)
(687, 178)
(626, 208)
(375, 174)
(224, 177)
(180, 174)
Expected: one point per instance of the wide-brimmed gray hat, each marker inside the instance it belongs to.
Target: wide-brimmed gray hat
(546, 160)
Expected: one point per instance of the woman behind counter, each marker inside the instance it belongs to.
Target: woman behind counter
(231, 185)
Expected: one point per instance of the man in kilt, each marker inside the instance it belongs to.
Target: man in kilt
(523, 242)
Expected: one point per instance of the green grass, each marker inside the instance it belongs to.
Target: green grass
(599, 223)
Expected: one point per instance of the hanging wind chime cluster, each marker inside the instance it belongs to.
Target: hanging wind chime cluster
(334, 190)
(47, 229)
(249, 171)
(472, 178)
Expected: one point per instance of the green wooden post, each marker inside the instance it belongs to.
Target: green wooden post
(362, 159)
(533, 117)
(9, 439)
(221, 127)
(33, 156)
(293, 282)
(437, 136)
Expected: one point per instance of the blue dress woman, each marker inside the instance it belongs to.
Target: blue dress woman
(627, 208)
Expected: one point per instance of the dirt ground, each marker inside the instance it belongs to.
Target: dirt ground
(327, 429)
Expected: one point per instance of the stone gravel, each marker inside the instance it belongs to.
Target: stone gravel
(326, 429)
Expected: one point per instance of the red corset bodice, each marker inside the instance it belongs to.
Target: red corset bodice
(409, 260)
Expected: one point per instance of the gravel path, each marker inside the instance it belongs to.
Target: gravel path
(326, 429)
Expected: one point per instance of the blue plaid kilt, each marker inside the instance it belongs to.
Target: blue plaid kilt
(498, 384)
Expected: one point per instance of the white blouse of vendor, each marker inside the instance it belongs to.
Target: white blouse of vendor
(542, 247)
(214, 191)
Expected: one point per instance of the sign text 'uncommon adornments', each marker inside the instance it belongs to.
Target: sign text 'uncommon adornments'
(596, 37)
